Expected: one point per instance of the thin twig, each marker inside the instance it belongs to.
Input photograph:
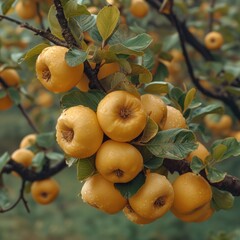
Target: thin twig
(211, 16)
(224, 97)
(20, 107)
(30, 122)
(42, 33)
(19, 199)
(40, 17)
(71, 41)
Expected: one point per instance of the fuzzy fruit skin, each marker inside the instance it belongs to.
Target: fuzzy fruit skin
(200, 215)
(139, 8)
(200, 152)
(11, 78)
(121, 116)
(22, 156)
(45, 191)
(156, 188)
(213, 40)
(174, 119)
(26, 9)
(192, 192)
(54, 73)
(28, 140)
(78, 132)
(155, 108)
(132, 216)
(101, 194)
(113, 156)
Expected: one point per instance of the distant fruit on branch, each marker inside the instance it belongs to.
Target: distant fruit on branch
(213, 40)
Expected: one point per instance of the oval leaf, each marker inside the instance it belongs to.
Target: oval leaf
(3, 160)
(85, 168)
(75, 57)
(130, 188)
(87, 99)
(107, 20)
(222, 200)
(149, 131)
(174, 144)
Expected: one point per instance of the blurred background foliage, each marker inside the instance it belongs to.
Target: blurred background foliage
(69, 218)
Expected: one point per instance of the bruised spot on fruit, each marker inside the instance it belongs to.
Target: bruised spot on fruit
(119, 173)
(46, 74)
(125, 113)
(67, 135)
(160, 202)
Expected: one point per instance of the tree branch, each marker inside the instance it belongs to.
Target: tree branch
(224, 97)
(230, 183)
(20, 198)
(20, 107)
(42, 33)
(71, 41)
(30, 175)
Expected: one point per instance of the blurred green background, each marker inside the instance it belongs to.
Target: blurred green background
(69, 218)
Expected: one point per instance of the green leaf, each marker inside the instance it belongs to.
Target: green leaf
(166, 56)
(170, 42)
(4, 198)
(53, 23)
(33, 53)
(121, 49)
(153, 163)
(46, 140)
(75, 56)
(156, 88)
(233, 90)
(197, 165)
(55, 156)
(85, 168)
(85, 22)
(72, 9)
(3, 160)
(39, 160)
(6, 5)
(218, 152)
(148, 60)
(87, 99)
(150, 131)
(173, 143)
(130, 188)
(107, 20)
(214, 175)
(3, 93)
(189, 98)
(221, 199)
(176, 94)
(161, 74)
(14, 95)
(199, 113)
(139, 42)
(145, 76)
(232, 147)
